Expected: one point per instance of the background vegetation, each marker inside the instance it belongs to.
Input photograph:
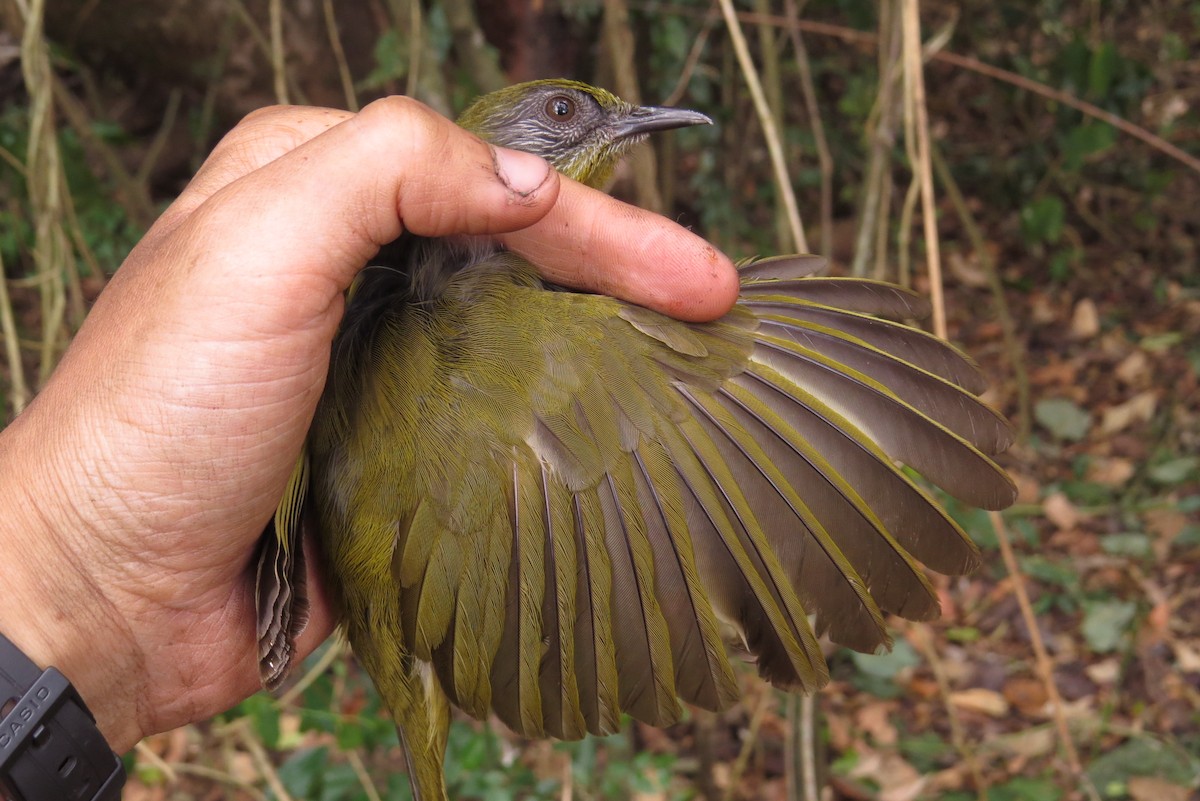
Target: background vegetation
(1043, 184)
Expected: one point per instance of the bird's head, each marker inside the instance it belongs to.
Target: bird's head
(583, 131)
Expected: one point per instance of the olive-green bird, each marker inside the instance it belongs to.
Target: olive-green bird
(559, 507)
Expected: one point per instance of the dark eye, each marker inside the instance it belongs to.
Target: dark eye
(560, 109)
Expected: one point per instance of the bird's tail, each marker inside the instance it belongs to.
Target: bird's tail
(422, 716)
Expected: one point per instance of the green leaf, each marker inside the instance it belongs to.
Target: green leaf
(349, 734)
(302, 772)
(887, 665)
(1106, 622)
(1160, 342)
(1085, 141)
(263, 713)
(1063, 418)
(1189, 537)
(1042, 220)
(1025, 789)
(1048, 572)
(1142, 756)
(962, 634)
(1128, 544)
(1175, 471)
(1101, 69)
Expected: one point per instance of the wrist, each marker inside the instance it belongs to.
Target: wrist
(53, 609)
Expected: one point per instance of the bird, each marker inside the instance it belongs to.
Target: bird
(558, 507)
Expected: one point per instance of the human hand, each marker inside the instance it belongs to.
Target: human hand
(139, 480)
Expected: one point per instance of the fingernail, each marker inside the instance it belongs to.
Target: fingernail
(523, 173)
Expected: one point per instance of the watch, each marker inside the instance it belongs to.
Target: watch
(50, 747)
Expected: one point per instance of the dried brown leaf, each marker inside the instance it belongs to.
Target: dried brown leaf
(982, 700)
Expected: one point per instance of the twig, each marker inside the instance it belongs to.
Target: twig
(364, 778)
(1044, 667)
(160, 137)
(339, 55)
(693, 58)
(871, 235)
(619, 45)
(9, 158)
(921, 633)
(278, 56)
(205, 772)
(914, 91)
(264, 45)
(767, 120)
(74, 287)
(332, 653)
(1012, 342)
(416, 44)
(808, 748)
(208, 105)
(743, 757)
(43, 163)
(18, 390)
(259, 755)
(147, 753)
(131, 194)
(824, 157)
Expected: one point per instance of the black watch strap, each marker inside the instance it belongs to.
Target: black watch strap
(50, 747)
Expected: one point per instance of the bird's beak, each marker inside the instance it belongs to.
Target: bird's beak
(646, 119)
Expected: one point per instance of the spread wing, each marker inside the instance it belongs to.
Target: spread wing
(575, 532)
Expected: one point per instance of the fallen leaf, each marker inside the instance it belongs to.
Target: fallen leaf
(1063, 418)
(1060, 511)
(967, 270)
(1110, 471)
(1134, 369)
(1187, 658)
(1026, 744)
(1138, 409)
(900, 780)
(1085, 320)
(980, 699)
(875, 719)
(1149, 788)
(1106, 671)
(1026, 693)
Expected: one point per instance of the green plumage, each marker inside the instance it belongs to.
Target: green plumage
(558, 507)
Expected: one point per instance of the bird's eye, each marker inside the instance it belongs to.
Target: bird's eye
(560, 109)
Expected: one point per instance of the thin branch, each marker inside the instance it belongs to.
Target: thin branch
(743, 757)
(205, 772)
(364, 778)
(922, 634)
(160, 138)
(808, 748)
(1012, 342)
(331, 655)
(18, 389)
(767, 120)
(824, 157)
(416, 45)
(278, 56)
(339, 55)
(693, 58)
(914, 86)
(259, 755)
(1044, 666)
